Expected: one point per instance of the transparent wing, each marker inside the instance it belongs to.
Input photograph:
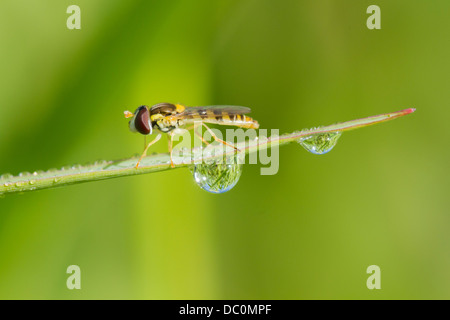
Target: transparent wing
(214, 110)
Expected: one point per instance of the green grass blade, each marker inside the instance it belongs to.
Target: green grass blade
(160, 162)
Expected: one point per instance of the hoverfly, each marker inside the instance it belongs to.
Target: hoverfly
(166, 117)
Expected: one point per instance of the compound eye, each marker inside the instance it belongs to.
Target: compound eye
(142, 121)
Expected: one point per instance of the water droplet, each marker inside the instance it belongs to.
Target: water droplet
(24, 174)
(320, 143)
(55, 180)
(100, 163)
(32, 182)
(217, 177)
(6, 176)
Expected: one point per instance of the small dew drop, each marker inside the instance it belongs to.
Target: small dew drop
(217, 177)
(320, 143)
(100, 163)
(24, 174)
(32, 182)
(6, 176)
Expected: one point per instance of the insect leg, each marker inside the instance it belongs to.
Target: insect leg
(198, 134)
(217, 139)
(170, 137)
(148, 146)
(201, 137)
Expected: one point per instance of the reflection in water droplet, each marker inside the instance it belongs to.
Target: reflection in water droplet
(320, 143)
(217, 177)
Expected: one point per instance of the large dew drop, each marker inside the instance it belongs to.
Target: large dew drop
(217, 177)
(320, 143)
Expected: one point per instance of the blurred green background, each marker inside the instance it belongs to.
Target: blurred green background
(310, 231)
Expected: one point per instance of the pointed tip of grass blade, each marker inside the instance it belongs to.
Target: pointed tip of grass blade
(407, 111)
(400, 113)
(363, 122)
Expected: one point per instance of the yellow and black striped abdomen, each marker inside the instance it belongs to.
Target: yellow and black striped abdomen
(217, 116)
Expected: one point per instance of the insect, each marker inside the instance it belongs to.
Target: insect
(166, 117)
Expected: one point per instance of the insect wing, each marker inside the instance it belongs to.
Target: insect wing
(212, 110)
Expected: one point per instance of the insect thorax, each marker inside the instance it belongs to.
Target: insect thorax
(163, 126)
(160, 117)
